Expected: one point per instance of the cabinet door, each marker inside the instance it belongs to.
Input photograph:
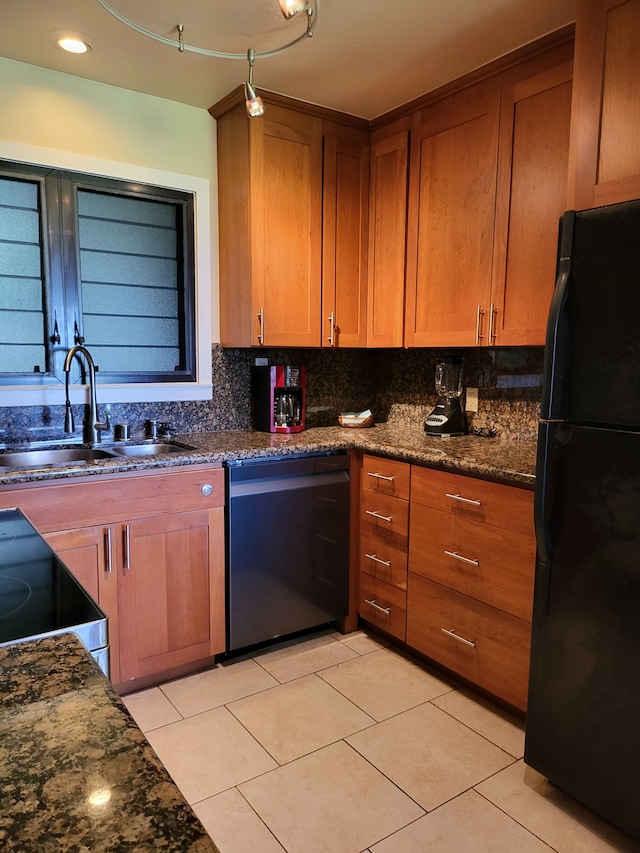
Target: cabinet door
(532, 192)
(170, 591)
(452, 195)
(344, 248)
(605, 120)
(387, 236)
(286, 228)
(89, 553)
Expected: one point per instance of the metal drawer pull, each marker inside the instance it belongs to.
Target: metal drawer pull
(479, 314)
(463, 500)
(462, 559)
(386, 610)
(127, 547)
(458, 638)
(107, 550)
(375, 559)
(377, 515)
(261, 325)
(380, 476)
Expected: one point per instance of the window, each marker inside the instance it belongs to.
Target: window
(92, 260)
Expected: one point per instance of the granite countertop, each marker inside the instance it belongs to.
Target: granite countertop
(76, 773)
(506, 461)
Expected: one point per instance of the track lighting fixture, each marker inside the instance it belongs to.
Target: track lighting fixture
(289, 8)
(254, 104)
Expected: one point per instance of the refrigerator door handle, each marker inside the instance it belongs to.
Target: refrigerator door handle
(555, 360)
(540, 505)
(541, 516)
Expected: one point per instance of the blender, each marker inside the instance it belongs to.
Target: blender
(448, 417)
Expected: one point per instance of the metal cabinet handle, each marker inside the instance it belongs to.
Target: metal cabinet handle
(463, 500)
(453, 635)
(386, 610)
(261, 325)
(492, 315)
(479, 315)
(462, 559)
(380, 476)
(127, 547)
(107, 550)
(331, 320)
(377, 515)
(375, 559)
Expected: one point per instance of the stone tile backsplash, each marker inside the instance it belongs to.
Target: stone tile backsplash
(397, 385)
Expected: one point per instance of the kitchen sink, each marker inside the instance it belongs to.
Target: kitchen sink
(152, 448)
(54, 457)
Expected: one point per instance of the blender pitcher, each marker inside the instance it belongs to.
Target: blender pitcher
(448, 417)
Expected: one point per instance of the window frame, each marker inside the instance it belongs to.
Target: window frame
(40, 392)
(59, 230)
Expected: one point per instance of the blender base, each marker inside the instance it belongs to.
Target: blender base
(448, 418)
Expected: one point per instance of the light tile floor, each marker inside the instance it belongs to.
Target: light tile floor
(341, 744)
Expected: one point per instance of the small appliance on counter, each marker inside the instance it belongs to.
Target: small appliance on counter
(278, 398)
(448, 417)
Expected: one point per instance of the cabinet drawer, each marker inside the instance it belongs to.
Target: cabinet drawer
(387, 476)
(466, 497)
(105, 499)
(385, 516)
(491, 564)
(383, 560)
(383, 605)
(485, 646)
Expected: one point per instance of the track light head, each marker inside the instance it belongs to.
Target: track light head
(291, 8)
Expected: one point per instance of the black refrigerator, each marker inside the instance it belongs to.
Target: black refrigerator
(583, 717)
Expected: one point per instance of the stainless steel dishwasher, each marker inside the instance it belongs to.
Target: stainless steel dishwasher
(287, 546)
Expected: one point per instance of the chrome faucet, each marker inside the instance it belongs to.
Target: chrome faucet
(92, 425)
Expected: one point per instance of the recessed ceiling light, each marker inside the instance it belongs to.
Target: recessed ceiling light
(73, 45)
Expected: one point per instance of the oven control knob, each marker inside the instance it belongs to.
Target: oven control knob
(206, 490)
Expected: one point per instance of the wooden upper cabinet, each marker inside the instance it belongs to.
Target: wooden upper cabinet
(531, 197)
(605, 124)
(450, 225)
(387, 233)
(344, 241)
(270, 209)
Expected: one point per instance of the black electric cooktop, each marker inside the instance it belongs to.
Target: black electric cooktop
(39, 597)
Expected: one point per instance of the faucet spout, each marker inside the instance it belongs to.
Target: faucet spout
(93, 426)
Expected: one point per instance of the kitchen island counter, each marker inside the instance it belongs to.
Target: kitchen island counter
(76, 773)
(491, 458)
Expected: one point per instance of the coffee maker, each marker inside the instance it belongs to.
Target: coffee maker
(278, 398)
(448, 417)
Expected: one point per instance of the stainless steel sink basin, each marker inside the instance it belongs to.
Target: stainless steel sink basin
(152, 448)
(55, 457)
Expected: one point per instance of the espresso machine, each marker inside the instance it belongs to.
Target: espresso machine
(278, 398)
(448, 417)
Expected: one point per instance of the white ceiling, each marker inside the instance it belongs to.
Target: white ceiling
(366, 57)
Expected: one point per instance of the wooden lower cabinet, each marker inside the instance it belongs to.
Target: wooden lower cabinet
(85, 552)
(383, 543)
(149, 548)
(483, 645)
(446, 565)
(164, 592)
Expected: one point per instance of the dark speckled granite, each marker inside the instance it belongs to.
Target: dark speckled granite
(491, 458)
(396, 384)
(76, 773)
